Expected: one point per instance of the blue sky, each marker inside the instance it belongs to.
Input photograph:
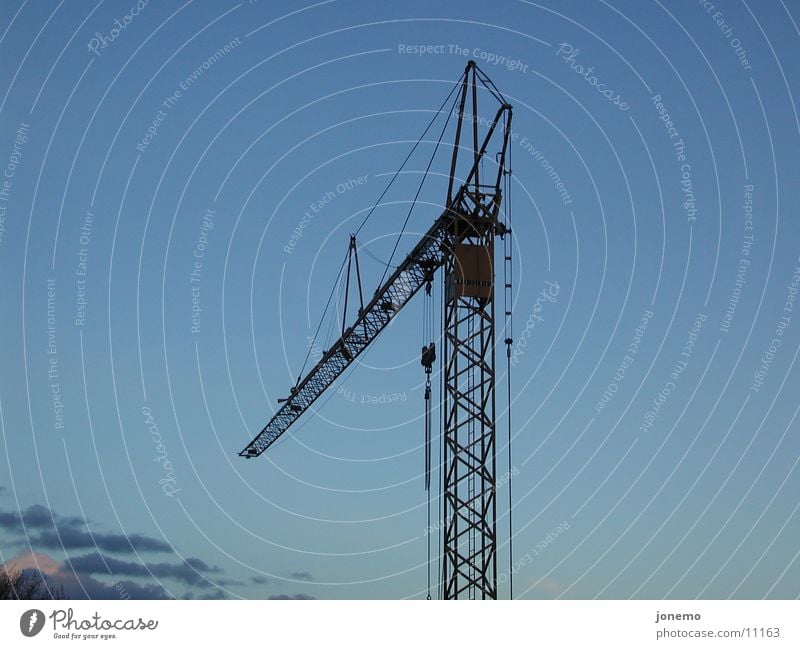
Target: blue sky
(199, 136)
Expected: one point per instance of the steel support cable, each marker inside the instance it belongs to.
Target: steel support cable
(410, 153)
(419, 189)
(374, 257)
(489, 85)
(427, 326)
(372, 209)
(428, 470)
(508, 275)
(347, 285)
(332, 317)
(510, 472)
(440, 522)
(322, 319)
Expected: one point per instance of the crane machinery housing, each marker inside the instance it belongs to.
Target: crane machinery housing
(461, 242)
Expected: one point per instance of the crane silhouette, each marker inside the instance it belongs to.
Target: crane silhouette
(461, 243)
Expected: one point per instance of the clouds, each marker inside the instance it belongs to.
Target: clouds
(302, 575)
(79, 576)
(98, 564)
(97, 574)
(297, 575)
(40, 561)
(40, 527)
(75, 539)
(191, 571)
(85, 587)
(81, 586)
(34, 517)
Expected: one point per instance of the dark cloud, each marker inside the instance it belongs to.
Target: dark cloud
(47, 529)
(202, 566)
(303, 575)
(229, 582)
(76, 586)
(36, 517)
(216, 593)
(258, 579)
(84, 586)
(70, 538)
(295, 596)
(190, 572)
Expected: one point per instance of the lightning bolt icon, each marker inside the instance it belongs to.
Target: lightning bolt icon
(32, 621)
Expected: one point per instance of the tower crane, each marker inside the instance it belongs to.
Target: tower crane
(461, 243)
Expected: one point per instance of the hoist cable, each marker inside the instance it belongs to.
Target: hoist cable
(508, 274)
(427, 362)
(442, 414)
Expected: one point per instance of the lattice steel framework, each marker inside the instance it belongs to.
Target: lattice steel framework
(461, 241)
(469, 567)
(469, 562)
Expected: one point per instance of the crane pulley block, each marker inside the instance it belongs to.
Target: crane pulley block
(428, 357)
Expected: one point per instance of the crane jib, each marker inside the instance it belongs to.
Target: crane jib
(474, 205)
(389, 299)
